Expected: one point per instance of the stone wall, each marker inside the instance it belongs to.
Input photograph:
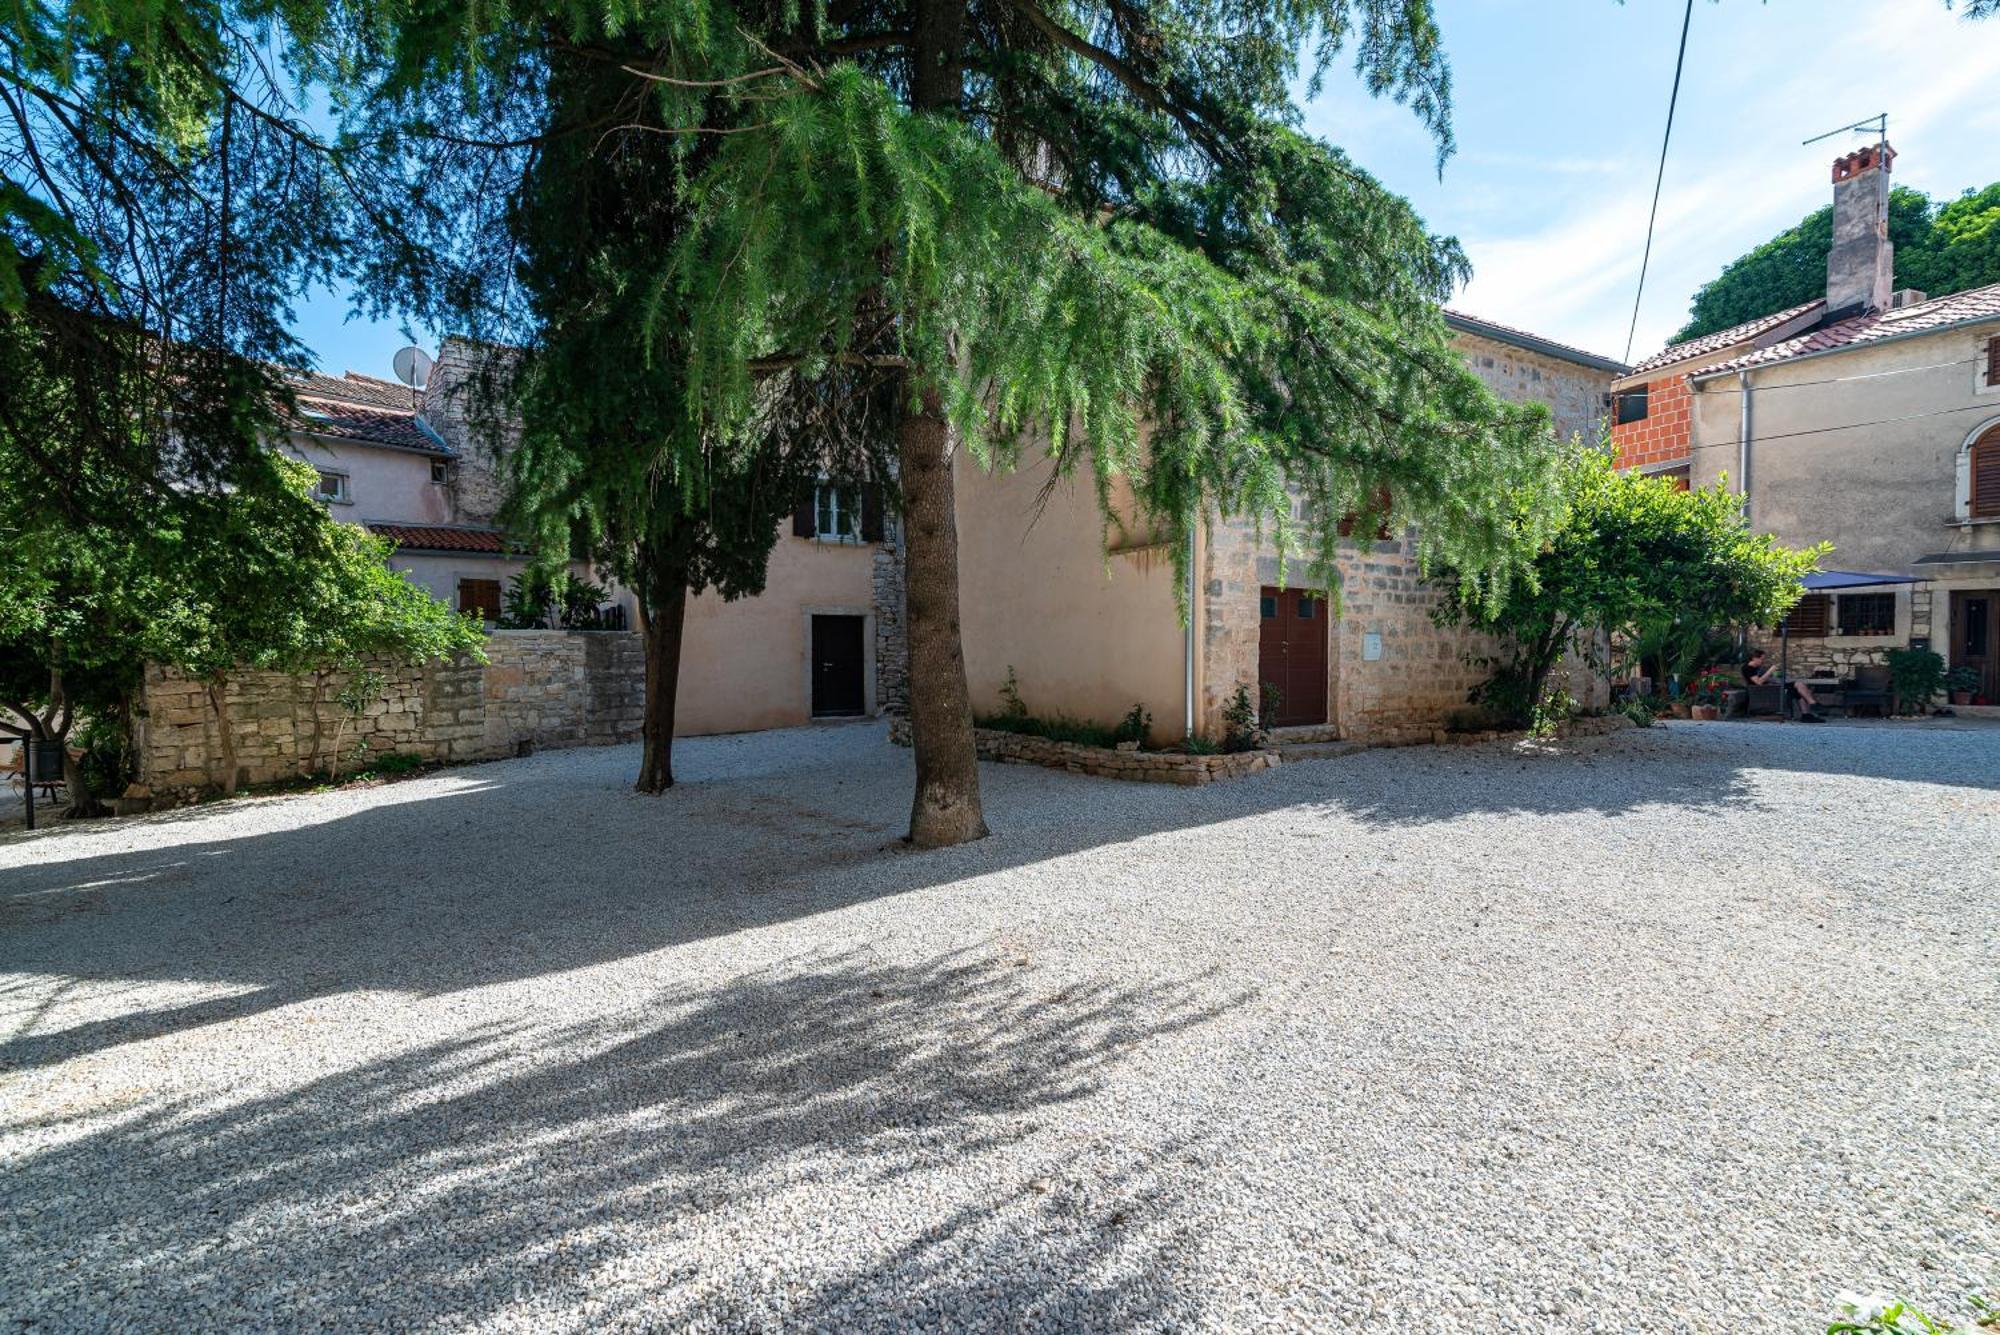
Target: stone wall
(1574, 394)
(1176, 767)
(451, 408)
(541, 688)
(892, 649)
(1419, 674)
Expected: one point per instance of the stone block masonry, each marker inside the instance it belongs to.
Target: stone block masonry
(542, 688)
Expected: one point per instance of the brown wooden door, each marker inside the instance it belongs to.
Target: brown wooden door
(1291, 653)
(1975, 637)
(839, 667)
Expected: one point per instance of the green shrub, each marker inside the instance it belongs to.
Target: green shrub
(1061, 728)
(1011, 704)
(1878, 1314)
(1241, 729)
(397, 762)
(1640, 710)
(1135, 725)
(1918, 676)
(1962, 678)
(1198, 745)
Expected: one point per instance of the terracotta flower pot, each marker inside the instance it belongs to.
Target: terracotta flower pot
(1679, 709)
(1707, 713)
(1961, 697)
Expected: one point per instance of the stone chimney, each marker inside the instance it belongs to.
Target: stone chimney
(1860, 269)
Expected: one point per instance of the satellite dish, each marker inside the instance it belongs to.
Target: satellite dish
(413, 367)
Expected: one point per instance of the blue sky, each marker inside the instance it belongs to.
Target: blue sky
(1559, 107)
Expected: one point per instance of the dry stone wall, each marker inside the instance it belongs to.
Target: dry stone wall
(537, 689)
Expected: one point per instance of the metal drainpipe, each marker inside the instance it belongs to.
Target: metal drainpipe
(1187, 665)
(1743, 441)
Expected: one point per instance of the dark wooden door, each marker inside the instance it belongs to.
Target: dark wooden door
(1975, 637)
(1291, 653)
(838, 667)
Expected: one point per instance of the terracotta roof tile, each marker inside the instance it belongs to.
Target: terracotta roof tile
(354, 388)
(376, 426)
(1727, 338)
(1980, 303)
(440, 538)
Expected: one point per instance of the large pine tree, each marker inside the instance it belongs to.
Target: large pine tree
(1091, 229)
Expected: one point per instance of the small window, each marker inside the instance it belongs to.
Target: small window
(332, 488)
(1267, 607)
(1993, 361)
(1306, 612)
(481, 596)
(836, 514)
(1867, 614)
(1630, 405)
(440, 471)
(1808, 619)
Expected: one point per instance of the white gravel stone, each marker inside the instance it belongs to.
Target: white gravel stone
(1688, 1029)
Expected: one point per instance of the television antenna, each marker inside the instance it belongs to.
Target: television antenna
(413, 367)
(1879, 124)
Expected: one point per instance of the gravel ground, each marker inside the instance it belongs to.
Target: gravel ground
(1680, 1030)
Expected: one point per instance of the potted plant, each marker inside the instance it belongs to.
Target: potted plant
(1709, 690)
(1963, 684)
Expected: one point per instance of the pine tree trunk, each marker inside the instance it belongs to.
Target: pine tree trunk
(662, 618)
(225, 734)
(946, 808)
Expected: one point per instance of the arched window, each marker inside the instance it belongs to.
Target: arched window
(1984, 492)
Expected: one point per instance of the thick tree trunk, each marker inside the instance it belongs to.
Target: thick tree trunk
(225, 734)
(662, 617)
(946, 808)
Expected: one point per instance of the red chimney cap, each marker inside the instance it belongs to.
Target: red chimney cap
(1863, 159)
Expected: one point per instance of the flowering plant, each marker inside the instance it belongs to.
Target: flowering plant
(1709, 686)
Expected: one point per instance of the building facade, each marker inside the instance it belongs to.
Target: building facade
(1870, 420)
(1085, 622)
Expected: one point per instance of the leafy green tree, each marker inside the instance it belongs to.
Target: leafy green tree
(1630, 553)
(1087, 228)
(270, 582)
(1939, 250)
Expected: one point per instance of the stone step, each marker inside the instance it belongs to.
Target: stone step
(1305, 732)
(1296, 751)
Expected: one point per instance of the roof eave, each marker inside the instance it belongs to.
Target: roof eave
(1699, 376)
(1470, 324)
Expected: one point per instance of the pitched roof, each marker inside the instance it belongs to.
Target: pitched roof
(354, 387)
(1521, 338)
(1926, 317)
(1728, 338)
(442, 538)
(343, 420)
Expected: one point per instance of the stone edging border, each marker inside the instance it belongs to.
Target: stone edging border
(1013, 748)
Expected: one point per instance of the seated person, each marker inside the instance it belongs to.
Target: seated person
(1757, 670)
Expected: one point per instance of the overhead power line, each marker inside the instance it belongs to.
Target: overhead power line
(1673, 100)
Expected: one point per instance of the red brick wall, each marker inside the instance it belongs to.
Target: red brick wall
(1664, 436)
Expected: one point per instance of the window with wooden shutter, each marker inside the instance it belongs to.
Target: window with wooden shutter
(481, 596)
(1986, 475)
(1808, 619)
(1993, 360)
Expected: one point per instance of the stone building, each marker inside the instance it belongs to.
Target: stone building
(1870, 419)
(1087, 621)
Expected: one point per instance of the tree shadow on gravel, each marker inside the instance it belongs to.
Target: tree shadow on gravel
(845, 1143)
(529, 868)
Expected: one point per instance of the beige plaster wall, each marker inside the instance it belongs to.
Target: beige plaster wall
(745, 665)
(1883, 491)
(382, 484)
(1086, 635)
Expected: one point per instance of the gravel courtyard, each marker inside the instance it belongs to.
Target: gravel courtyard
(1681, 1030)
